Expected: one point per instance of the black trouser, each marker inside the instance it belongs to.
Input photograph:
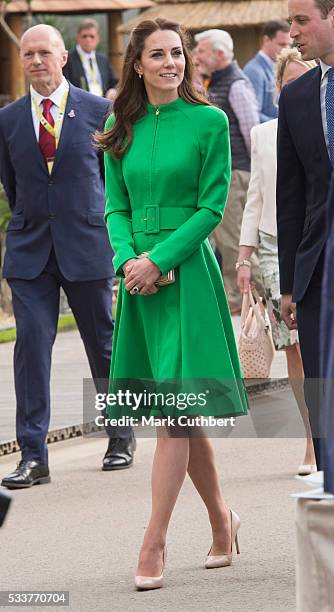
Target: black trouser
(308, 317)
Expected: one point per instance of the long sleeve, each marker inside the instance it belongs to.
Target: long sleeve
(249, 235)
(243, 101)
(7, 172)
(213, 135)
(117, 211)
(290, 200)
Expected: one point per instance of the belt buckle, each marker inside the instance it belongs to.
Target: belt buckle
(152, 220)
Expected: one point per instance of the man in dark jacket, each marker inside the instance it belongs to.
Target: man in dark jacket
(87, 68)
(56, 238)
(305, 162)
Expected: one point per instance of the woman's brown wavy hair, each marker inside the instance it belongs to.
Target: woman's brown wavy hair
(130, 102)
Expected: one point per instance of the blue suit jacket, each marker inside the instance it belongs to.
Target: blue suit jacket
(303, 179)
(261, 75)
(65, 209)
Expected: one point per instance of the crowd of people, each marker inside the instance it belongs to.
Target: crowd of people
(189, 158)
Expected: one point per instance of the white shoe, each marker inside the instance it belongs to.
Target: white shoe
(213, 561)
(306, 469)
(316, 479)
(146, 583)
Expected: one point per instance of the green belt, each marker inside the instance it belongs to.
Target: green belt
(151, 219)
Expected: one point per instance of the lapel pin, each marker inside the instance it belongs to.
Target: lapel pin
(71, 113)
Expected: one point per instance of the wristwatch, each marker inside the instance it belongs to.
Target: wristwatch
(244, 262)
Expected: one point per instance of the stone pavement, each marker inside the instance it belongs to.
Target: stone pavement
(83, 531)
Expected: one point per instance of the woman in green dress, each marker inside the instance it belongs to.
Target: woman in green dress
(167, 161)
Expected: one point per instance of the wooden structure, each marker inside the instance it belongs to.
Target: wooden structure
(243, 19)
(12, 83)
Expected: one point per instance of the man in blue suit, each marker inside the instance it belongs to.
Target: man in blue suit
(53, 178)
(305, 160)
(261, 69)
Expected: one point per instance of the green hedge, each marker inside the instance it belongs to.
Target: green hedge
(65, 323)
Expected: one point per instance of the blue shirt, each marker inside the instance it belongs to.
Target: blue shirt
(260, 71)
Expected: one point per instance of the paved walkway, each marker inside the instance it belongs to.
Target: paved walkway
(82, 532)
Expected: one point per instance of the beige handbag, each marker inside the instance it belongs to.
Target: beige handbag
(256, 347)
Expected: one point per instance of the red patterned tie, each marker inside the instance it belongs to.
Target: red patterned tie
(47, 142)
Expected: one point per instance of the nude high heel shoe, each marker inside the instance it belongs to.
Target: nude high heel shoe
(145, 583)
(213, 561)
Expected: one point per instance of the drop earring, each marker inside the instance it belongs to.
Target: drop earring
(140, 75)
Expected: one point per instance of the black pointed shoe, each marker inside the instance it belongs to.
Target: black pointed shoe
(27, 474)
(119, 455)
(5, 501)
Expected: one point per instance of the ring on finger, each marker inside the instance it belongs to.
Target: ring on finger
(135, 289)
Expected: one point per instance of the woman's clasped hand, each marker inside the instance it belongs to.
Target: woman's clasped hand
(141, 275)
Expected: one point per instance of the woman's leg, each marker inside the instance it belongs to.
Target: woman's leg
(203, 472)
(296, 379)
(168, 472)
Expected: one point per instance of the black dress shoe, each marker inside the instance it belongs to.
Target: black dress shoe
(4, 505)
(27, 474)
(119, 454)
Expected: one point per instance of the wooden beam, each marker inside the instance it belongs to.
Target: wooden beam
(116, 47)
(17, 84)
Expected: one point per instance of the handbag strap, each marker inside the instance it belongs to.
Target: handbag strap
(247, 302)
(244, 309)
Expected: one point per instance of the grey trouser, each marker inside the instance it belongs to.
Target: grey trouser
(227, 236)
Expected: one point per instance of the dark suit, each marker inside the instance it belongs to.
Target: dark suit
(327, 352)
(75, 73)
(56, 237)
(303, 175)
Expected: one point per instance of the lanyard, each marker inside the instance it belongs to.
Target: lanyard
(94, 83)
(53, 130)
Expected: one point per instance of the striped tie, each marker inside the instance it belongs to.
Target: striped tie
(47, 142)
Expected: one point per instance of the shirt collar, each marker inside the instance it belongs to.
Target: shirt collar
(267, 59)
(84, 54)
(56, 96)
(324, 69)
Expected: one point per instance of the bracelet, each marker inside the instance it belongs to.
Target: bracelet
(244, 262)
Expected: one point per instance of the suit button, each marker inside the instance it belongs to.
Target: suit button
(50, 183)
(52, 216)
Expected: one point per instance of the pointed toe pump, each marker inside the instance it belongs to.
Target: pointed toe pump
(146, 583)
(213, 561)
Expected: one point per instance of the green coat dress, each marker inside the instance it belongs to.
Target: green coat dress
(165, 197)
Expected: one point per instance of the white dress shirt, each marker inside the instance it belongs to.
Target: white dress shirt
(56, 97)
(95, 85)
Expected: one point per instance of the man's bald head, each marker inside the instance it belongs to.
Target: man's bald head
(45, 31)
(43, 56)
